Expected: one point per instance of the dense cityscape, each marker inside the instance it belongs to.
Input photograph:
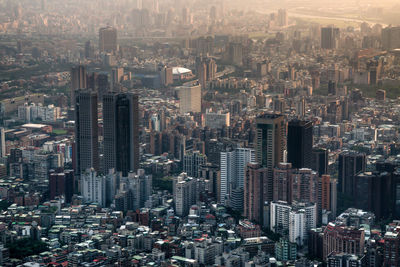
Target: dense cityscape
(199, 133)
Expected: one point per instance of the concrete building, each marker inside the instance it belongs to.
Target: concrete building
(233, 166)
(93, 187)
(293, 221)
(184, 194)
(108, 39)
(192, 162)
(189, 98)
(343, 239)
(2, 143)
(217, 120)
(255, 191)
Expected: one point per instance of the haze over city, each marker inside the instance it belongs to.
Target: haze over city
(199, 133)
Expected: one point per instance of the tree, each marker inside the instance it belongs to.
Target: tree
(25, 247)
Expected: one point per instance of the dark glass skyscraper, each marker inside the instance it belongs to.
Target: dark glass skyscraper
(320, 160)
(86, 131)
(299, 143)
(350, 164)
(78, 80)
(121, 132)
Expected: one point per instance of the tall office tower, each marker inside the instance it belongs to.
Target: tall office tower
(213, 14)
(102, 85)
(189, 98)
(89, 50)
(300, 143)
(255, 192)
(320, 160)
(86, 131)
(293, 221)
(2, 143)
(186, 16)
(192, 162)
(375, 192)
(350, 164)
(108, 40)
(270, 142)
(391, 38)
(282, 18)
(78, 80)
(93, 187)
(282, 182)
(121, 132)
(329, 38)
(270, 146)
(233, 166)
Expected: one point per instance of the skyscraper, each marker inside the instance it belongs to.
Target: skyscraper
(255, 191)
(108, 39)
(121, 132)
(350, 164)
(270, 142)
(233, 166)
(270, 146)
(329, 37)
(320, 160)
(78, 80)
(86, 131)
(282, 182)
(282, 17)
(299, 143)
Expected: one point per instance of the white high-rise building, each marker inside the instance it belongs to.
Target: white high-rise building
(293, 220)
(189, 98)
(233, 165)
(93, 187)
(185, 194)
